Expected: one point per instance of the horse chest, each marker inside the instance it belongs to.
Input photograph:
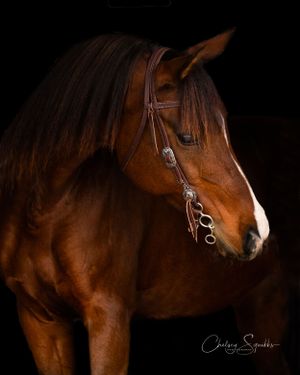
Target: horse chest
(189, 283)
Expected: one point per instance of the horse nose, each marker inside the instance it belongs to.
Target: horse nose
(252, 243)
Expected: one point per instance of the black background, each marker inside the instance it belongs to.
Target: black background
(257, 75)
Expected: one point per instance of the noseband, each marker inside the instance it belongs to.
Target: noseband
(194, 209)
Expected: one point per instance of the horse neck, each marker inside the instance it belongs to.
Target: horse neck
(121, 203)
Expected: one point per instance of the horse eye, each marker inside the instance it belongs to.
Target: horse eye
(186, 139)
(167, 86)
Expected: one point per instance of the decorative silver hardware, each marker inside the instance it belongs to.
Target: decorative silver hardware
(198, 206)
(189, 194)
(169, 157)
(206, 221)
(210, 239)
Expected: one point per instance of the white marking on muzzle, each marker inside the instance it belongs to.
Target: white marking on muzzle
(259, 213)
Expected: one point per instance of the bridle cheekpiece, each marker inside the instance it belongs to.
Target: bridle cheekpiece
(194, 209)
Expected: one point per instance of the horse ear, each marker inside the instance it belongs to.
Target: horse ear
(206, 50)
(200, 53)
(176, 65)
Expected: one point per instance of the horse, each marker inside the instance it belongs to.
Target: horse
(121, 141)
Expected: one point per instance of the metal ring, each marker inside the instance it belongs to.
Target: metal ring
(210, 239)
(208, 218)
(198, 206)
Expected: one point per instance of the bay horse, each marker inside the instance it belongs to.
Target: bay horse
(98, 170)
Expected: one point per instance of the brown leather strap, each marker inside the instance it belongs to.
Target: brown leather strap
(151, 113)
(151, 106)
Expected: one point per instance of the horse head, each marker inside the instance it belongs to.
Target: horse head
(192, 121)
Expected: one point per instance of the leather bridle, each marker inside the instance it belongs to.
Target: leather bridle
(194, 209)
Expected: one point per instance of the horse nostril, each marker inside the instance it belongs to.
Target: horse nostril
(251, 241)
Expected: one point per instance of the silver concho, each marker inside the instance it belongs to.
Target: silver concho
(169, 157)
(188, 194)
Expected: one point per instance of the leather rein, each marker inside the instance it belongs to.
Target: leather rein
(194, 208)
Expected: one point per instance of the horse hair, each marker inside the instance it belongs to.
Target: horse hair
(77, 108)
